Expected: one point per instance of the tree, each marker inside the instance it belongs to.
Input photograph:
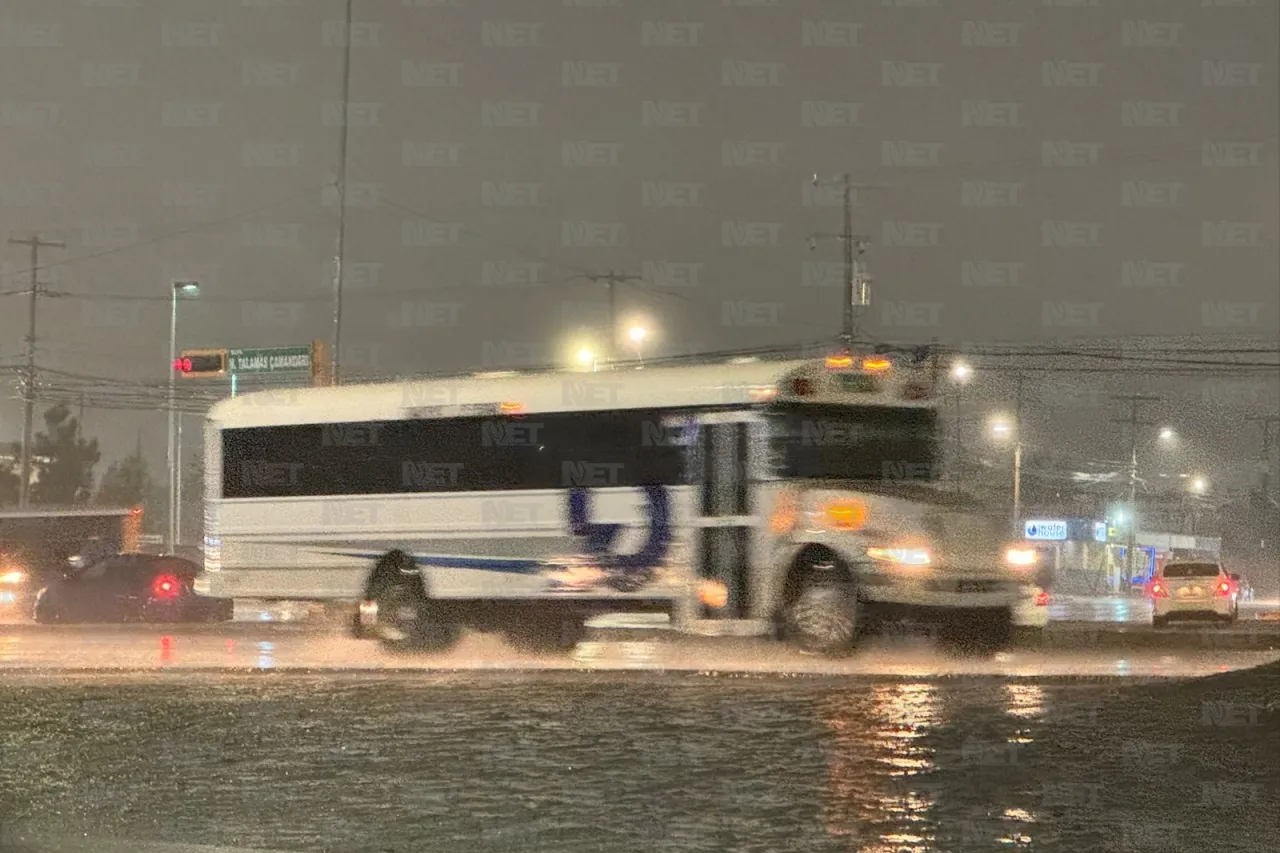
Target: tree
(64, 460)
(9, 478)
(126, 481)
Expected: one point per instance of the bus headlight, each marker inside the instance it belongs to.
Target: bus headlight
(1020, 557)
(901, 556)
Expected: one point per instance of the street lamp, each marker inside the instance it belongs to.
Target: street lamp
(638, 334)
(587, 357)
(1002, 429)
(1166, 434)
(180, 290)
(1198, 485)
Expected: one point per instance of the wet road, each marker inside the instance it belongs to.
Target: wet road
(1133, 609)
(1077, 650)
(400, 762)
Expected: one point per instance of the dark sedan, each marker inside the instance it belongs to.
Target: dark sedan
(130, 588)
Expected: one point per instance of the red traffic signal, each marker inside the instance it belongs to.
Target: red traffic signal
(201, 363)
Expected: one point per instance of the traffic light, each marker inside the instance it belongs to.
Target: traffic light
(197, 363)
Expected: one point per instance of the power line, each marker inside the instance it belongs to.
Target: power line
(168, 235)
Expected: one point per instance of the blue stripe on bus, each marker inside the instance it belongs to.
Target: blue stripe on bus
(507, 565)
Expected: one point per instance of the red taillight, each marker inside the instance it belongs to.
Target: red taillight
(1158, 591)
(165, 586)
(1224, 589)
(1042, 599)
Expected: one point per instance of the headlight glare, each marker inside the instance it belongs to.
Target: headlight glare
(1020, 557)
(901, 556)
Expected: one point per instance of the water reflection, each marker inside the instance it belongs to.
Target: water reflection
(878, 795)
(914, 767)
(1025, 701)
(166, 650)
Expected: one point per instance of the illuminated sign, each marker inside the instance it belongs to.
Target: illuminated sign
(1052, 531)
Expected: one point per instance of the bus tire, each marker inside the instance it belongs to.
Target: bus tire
(46, 614)
(409, 621)
(820, 610)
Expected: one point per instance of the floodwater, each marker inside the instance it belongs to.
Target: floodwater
(415, 762)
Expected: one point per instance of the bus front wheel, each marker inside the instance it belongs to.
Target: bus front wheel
(820, 610)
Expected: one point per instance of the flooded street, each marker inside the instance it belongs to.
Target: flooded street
(625, 761)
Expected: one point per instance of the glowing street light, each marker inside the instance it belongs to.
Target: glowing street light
(637, 334)
(1198, 485)
(1166, 434)
(961, 372)
(587, 358)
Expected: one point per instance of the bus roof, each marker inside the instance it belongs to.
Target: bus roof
(728, 383)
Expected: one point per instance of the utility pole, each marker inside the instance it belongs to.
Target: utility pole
(611, 280)
(35, 244)
(341, 239)
(856, 289)
(1131, 540)
(1267, 421)
(1017, 455)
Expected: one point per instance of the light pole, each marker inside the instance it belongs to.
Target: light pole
(960, 373)
(1002, 429)
(1131, 540)
(340, 239)
(179, 289)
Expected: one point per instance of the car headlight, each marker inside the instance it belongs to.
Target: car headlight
(1020, 556)
(901, 556)
(12, 577)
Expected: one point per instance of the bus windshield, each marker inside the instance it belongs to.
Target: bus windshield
(842, 442)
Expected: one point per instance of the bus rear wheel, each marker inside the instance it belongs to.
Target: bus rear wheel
(408, 620)
(820, 614)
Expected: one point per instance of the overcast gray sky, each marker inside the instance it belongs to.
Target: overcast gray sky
(1050, 170)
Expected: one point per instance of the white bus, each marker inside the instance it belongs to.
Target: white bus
(793, 497)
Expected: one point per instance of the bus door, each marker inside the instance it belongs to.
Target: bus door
(725, 463)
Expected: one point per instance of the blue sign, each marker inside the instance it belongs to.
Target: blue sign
(1052, 531)
(1099, 531)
